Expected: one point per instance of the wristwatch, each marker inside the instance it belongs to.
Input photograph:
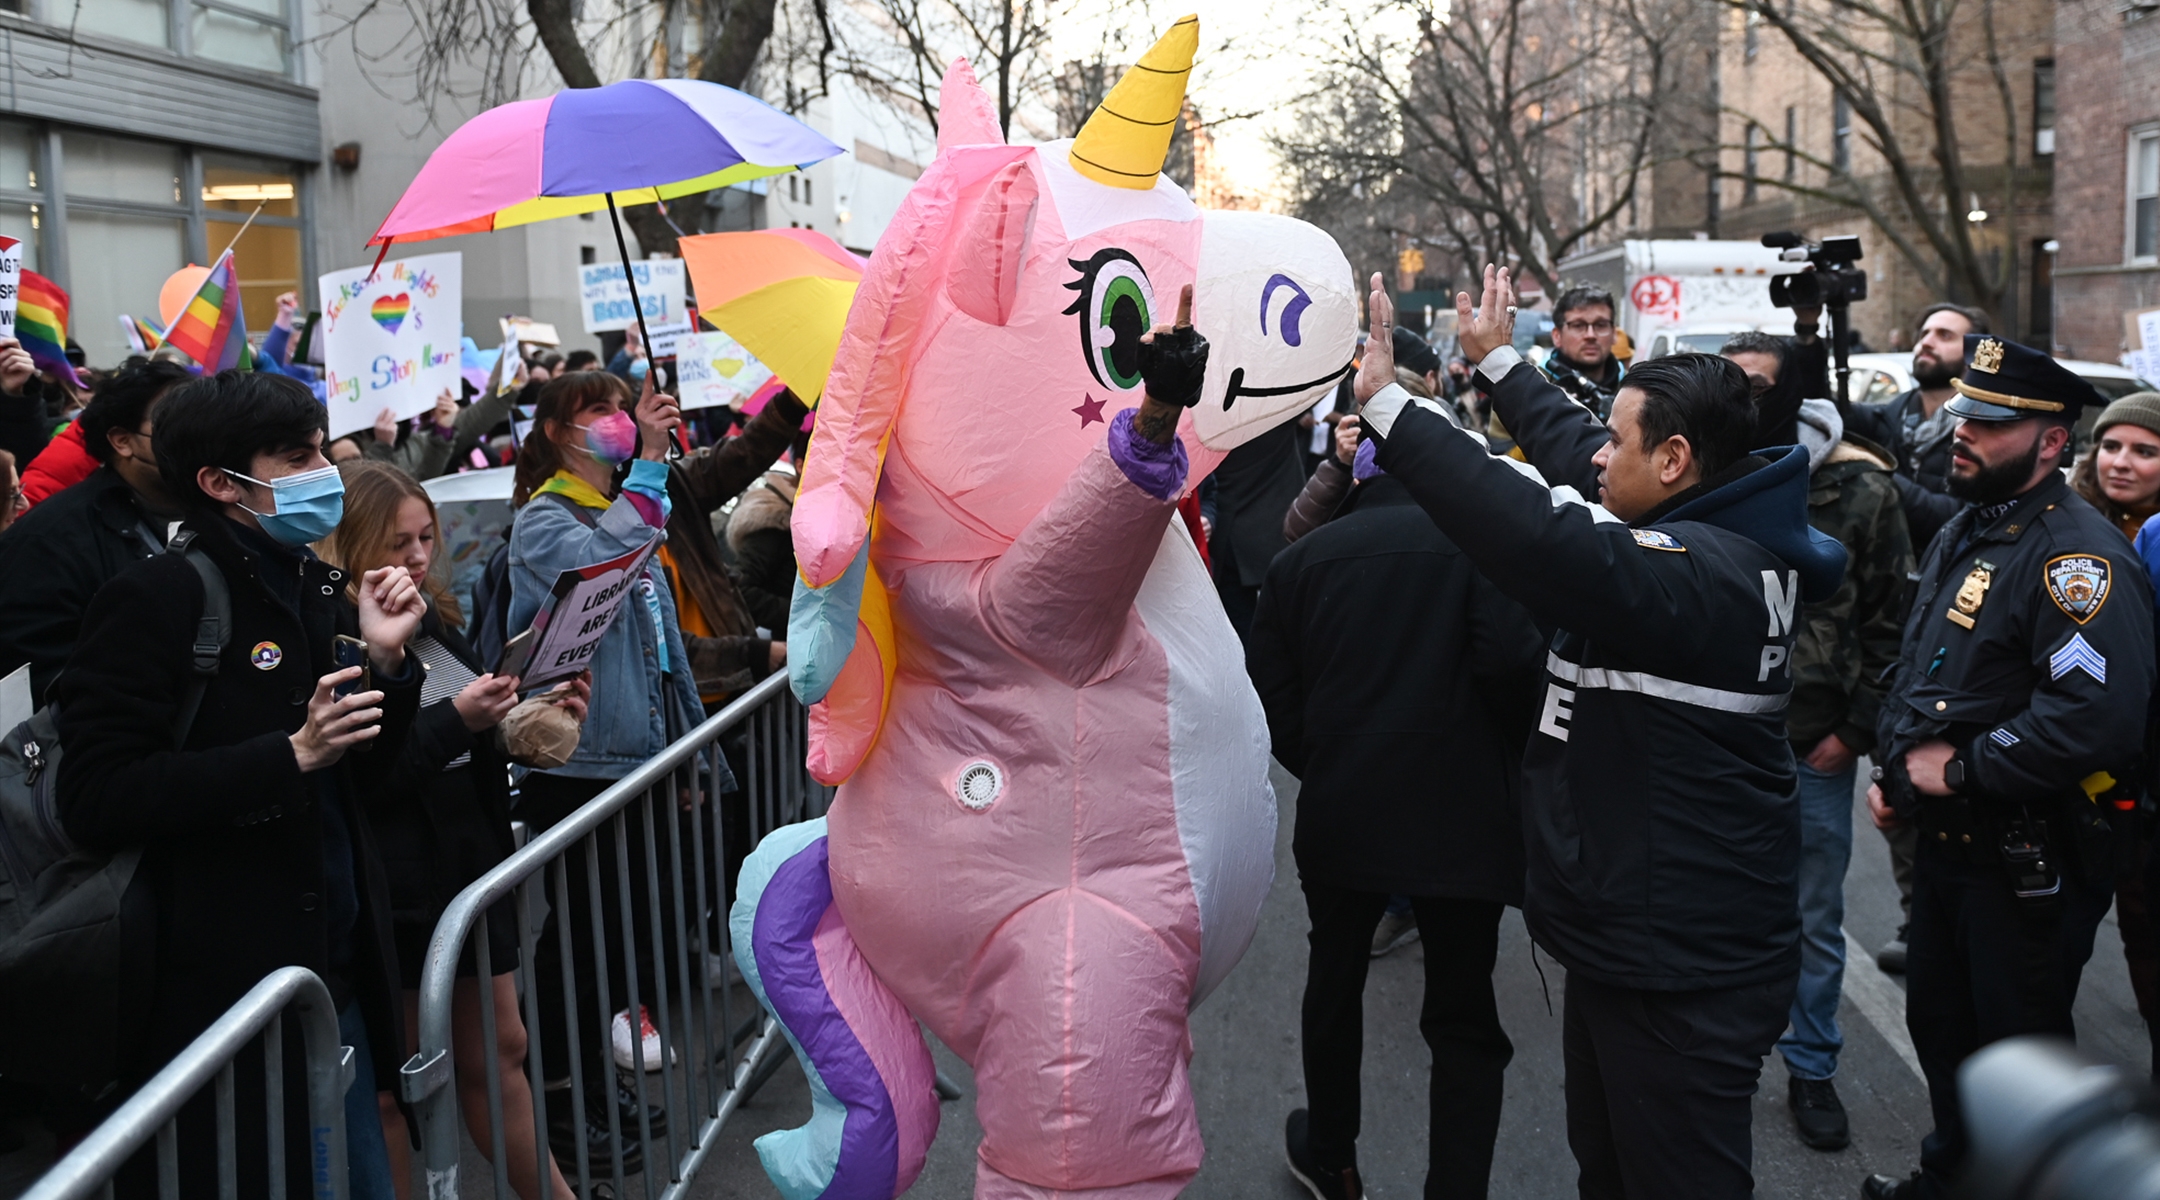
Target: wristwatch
(1954, 773)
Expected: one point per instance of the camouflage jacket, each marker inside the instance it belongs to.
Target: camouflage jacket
(1847, 643)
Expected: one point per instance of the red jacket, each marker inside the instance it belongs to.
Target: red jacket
(63, 463)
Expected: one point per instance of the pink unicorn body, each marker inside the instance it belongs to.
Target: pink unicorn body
(1056, 828)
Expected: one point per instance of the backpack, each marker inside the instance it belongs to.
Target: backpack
(67, 959)
(490, 624)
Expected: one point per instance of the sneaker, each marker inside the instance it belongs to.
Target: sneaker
(1324, 1183)
(626, 1052)
(1396, 931)
(1891, 958)
(1889, 1187)
(1817, 1113)
(564, 1130)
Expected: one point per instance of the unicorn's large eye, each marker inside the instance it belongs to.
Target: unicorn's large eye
(1114, 307)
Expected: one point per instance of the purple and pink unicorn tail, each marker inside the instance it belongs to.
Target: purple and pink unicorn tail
(874, 1107)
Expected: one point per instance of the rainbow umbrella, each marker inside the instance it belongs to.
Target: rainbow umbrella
(583, 149)
(782, 293)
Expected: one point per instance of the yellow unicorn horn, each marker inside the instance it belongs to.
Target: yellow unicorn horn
(1124, 143)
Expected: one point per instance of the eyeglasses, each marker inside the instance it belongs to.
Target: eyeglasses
(14, 499)
(1586, 328)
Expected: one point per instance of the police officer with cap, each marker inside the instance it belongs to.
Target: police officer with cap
(2017, 707)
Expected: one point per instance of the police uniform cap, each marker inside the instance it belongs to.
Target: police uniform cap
(2005, 381)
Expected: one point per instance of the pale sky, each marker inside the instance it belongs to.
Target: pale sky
(1255, 56)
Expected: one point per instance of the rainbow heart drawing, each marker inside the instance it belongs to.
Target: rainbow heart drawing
(390, 311)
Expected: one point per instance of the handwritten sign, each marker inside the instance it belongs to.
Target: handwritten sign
(716, 372)
(604, 294)
(395, 341)
(577, 613)
(10, 283)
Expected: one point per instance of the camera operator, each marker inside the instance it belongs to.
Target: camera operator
(2018, 700)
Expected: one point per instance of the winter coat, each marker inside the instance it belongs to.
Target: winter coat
(63, 463)
(25, 429)
(764, 549)
(439, 830)
(1847, 644)
(1255, 486)
(235, 838)
(732, 657)
(55, 557)
(1660, 799)
(1923, 467)
(1406, 731)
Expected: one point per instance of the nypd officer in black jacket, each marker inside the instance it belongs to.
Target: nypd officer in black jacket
(2019, 703)
(1660, 801)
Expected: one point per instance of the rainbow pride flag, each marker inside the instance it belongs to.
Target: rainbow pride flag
(142, 336)
(41, 324)
(211, 328)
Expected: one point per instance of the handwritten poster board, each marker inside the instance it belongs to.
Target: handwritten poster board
(10, 285)
(394, 341)
(579, 610)
(716, 372)
(604, 294)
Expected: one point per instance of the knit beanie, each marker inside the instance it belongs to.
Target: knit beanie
(2141, 409)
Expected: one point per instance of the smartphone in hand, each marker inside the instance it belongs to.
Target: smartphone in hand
(346, 651)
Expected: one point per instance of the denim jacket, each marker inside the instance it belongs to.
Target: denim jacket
(626, 723)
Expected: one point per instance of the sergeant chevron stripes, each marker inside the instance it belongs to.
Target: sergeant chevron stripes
(2077, 654)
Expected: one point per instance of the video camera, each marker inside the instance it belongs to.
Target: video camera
(2043, 1120)
(1833, 284)
(1834, 280)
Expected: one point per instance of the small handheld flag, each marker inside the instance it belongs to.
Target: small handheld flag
(142, 336)
(210, 328)
(41, 324)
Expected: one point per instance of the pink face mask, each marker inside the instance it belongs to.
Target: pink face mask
(613, 438)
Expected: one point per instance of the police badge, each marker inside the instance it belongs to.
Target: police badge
(1971, 594)
(1988, 357)
(2078, 584)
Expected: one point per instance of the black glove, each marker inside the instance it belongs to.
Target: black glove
(1174, 364)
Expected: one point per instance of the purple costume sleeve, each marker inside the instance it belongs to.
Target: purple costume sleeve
(1157, 470)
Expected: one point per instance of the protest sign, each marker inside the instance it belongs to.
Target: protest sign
(577, 613)
(604, 294)
(10, 283)
(666, 339)
(392, 341)
(715, 371)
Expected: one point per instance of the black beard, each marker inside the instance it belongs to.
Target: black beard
(1935, 374)
(1998, 482)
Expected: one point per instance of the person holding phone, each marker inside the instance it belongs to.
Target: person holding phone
(256, 850)
(444, 819)
(571, 513)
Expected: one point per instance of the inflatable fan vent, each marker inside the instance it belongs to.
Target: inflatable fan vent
(979, 785)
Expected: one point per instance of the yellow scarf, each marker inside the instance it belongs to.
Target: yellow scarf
(573, 489)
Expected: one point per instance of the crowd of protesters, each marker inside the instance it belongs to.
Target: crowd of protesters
(1506, 619)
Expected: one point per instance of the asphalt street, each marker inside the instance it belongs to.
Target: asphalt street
(1246, 1076)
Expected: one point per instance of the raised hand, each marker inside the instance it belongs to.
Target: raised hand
(1376, 369)
(1173, 365)
(390, 610)
(658, 418)
(1494, 324)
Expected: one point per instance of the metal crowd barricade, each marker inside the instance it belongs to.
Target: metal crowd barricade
(717, 1045)
(154, 1111)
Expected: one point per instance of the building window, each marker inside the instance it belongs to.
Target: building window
(1792, 140)
(22, 197)
(1751, 38)
(1749, 192)
(2144, 208)
(267, 256)
(127, 229)
(1840, 132)
(255, 34)
(2043, 107)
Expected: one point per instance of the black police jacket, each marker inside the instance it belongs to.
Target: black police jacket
(1660, 803)
(2030, 649)
(1923, 468)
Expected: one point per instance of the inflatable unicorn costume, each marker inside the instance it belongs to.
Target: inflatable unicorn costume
(1056, 828)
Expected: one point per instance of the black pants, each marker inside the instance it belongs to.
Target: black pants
(1982, 965)
(1660, 1086)
(1460, 1021)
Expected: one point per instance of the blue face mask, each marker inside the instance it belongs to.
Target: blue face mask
(309, 505)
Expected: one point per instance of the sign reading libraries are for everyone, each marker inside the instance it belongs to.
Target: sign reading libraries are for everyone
(393, 340)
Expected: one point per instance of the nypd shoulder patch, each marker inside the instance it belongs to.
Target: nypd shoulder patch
(2077, 654)
(1657, 539)
(2078, 584)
